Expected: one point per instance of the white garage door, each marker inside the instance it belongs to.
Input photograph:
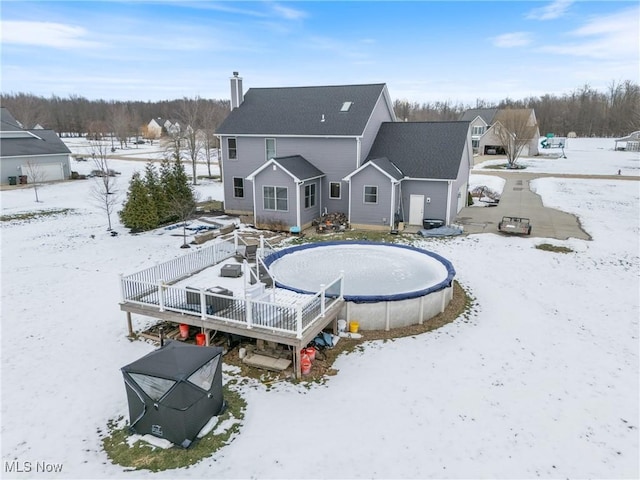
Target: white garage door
(44, 172)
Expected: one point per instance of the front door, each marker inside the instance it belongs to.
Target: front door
(416, 209)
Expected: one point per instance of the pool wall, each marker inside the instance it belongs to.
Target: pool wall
(386, 315)
(385, 312)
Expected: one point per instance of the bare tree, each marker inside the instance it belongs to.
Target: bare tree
(119, 119)
(104, 192)
(515, 129)
(212, 116)
(183, 207)
(189, 116)
(35, 176)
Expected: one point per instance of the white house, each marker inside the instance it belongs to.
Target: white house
(22, 151)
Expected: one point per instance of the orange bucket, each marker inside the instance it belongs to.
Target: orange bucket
(305, 364)
(201, 339)
(184, 330)
(311, 352)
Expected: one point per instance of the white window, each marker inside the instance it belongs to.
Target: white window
(238, 187)
(346, 106)
(270, 148)
(310, 195)
(334, 190)
(477, 130)
(155, 387)
(203, 377)
(370, 194)
(232, 148)
(275, 198)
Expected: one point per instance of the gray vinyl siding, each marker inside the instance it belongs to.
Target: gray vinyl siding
(250, 155)
(461, 179)
(365, 213)
(435, 190)
(12, 166)
(307, 215)
(335, 157)
(379, 115)
(275, 178)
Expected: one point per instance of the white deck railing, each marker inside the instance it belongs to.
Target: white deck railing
(152, 287)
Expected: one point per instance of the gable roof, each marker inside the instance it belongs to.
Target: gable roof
(33, 142)
(8, 123)
(298, 167)
(422, 149)
(486, 114)
(382, 164)
(304, 111)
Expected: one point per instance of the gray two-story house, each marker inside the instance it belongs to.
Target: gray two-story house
(290, 155)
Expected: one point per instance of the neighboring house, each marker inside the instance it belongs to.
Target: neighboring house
(20, 147)
(483, 136)
(159, 126)
(290, 155)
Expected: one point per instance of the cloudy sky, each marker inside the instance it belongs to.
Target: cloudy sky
(423, 50)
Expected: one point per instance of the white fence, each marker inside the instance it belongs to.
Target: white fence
(152, 287)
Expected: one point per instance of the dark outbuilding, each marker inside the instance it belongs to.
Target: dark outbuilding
(174, 391)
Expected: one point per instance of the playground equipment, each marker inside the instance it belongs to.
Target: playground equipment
(551, 141)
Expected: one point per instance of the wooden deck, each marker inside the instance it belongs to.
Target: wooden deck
(272, 315)
(257, 332)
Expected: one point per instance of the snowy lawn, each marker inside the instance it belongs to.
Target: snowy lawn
(584, 156)
(541, 382)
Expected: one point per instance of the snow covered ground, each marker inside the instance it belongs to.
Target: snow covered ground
(541, 381)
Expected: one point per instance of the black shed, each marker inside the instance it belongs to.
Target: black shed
(174, 391)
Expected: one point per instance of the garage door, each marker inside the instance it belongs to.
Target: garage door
(44, 172)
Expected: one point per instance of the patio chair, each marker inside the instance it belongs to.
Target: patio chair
(246, 252)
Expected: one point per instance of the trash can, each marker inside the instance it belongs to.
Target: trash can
(22, 179)
(13, 180)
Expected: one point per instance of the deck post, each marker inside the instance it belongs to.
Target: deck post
(248, 308)
(299, 322)
(160, 296)
(121, 288)
(322, 299)
(341, 284)
(297, 367)
(421, 313)
(203, 305)
(129, 324)
(261, 247)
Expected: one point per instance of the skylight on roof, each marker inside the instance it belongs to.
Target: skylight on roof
(346, 106)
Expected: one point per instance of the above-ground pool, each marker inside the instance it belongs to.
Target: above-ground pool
(385, 285)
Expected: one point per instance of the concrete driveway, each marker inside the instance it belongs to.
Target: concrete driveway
(519, 201)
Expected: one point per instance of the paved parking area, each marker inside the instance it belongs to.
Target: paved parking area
(518, 200)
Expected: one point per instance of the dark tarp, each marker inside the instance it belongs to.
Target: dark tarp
(174, 391)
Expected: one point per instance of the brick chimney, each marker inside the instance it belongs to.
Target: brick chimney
(236, 91)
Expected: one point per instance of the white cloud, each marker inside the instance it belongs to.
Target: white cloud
(288, 13)
(45, 34)
(514, 39)
(552, 11)
(614, 36)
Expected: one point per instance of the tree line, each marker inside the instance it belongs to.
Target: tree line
(585, 111)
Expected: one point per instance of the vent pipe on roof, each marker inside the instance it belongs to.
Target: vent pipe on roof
(322, 119)
(237, 96)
